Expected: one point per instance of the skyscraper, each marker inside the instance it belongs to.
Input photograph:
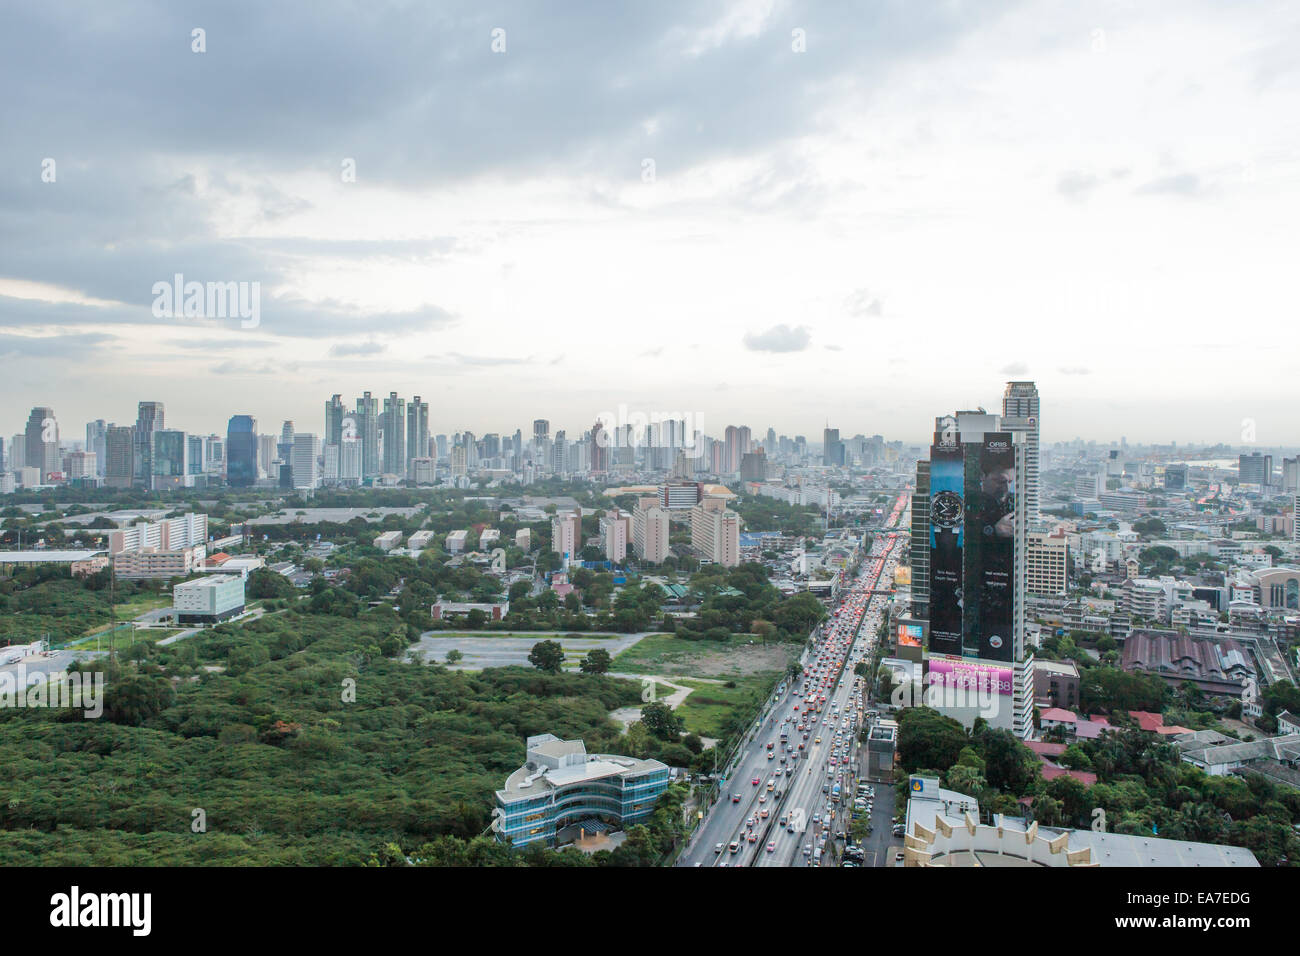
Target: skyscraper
(96, 437)
(306, 461)
(417, 429)
(367, 432)
(119, 469)
(976, 659)
(168, 456)
(393, 426)
(1020, 413)
(149, 419)
(335, 411)
(832, 448)
(241, 451)
(42, 441)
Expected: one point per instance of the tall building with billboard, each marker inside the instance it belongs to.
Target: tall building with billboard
(920, 550)
(976, 664)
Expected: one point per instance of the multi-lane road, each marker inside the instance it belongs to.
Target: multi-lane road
(776, 804)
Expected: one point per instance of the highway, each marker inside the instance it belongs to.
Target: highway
(825, 699)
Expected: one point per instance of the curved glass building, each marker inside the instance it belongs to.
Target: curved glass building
(562, 784)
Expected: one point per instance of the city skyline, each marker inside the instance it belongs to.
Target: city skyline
(668, 220)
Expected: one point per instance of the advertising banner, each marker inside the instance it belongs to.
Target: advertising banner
(946, 531)
(988, 547)
(986, 679)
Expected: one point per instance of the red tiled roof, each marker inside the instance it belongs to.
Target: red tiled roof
(1147, 720)
(1045, 749)
(1051, 771)
(1057, 714)
(219, 558)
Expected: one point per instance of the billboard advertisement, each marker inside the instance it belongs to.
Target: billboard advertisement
(988, 547)
(984, 678)
(910, 635)
(947, 485)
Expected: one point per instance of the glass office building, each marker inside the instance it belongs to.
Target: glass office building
(241, 451)
(561, 784)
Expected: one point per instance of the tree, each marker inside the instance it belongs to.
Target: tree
(547, 656)
(454, 656)
(597, 661)
(660, 720)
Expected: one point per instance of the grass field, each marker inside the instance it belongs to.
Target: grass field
(669, 655)
(709, 707)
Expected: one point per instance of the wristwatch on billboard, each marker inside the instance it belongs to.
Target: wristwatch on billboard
(945, 510)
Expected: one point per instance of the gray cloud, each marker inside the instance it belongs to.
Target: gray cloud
(1015, 368)
(1074, 370)
(348, 349)
(1188, 185)
(779, 338)
(862, 304)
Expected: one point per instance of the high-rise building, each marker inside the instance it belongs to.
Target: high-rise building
(169, 458)
(615, 530)
(119, 469)
(393, 427)
(1175, 477)
(284, 447)
(832, 448)
(266, 456)
(42, 442)
(920, 551)
(715, 532)
(599, 449)
(1291, 475)
(96, 441)
(335, 412)
(306, 461)
(976, 664)
(1046, 560)
(367, 429)
(417, 430)
(650, 529)
(1020, 413)
(150, 417)
(566, 534)
(1255, 469)
(241, 451)
(541, 430)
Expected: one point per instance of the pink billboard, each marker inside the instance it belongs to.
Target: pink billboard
(984, 678)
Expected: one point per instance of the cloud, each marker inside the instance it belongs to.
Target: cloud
(1074, 370)
(1188, 185)
(862, 304)
(347, 349)
(779, 338)
(1015, 368)
(53, 346)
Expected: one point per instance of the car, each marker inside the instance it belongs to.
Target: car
(735, 846)
(718, 849)
(762, 798)
(807, 849)
(756, 781)
(735, 798)
(771, 847)
(763, 813)
(752, 837)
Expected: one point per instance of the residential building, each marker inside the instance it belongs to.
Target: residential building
(615, 530)
(715, 532)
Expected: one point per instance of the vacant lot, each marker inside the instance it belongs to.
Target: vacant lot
(673, 656)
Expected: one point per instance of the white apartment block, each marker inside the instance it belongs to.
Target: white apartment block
(715, 532)
(566, 534)
(524, 539)
(420, 540)
(456, 541)
(615, 529)
(167, 534)
(388, 540)
(1046, 557)
(650, 527)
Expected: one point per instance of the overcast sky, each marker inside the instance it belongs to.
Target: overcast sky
(665, 205)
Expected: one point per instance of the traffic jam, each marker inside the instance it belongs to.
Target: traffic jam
(820, 732)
